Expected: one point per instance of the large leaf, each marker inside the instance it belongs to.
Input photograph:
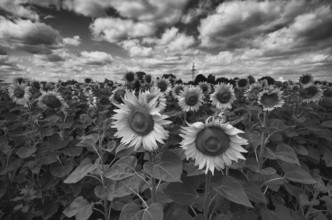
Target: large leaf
(179, 213)
(26, 151)
(297, 174)
(181, 193)
(168, 168)
(153, 212)
(59, 170)
(123, 168)
(81, 171)
(327, 124)
(232, 190)
(254, 193)
(128, 211)
(80, 208)
(327, 157)
(4, 147)
(88, 141)
(285, 153)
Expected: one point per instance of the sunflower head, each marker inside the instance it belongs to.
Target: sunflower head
(88, 80)
(213, 144)
(154, 94)
(191, 98)
(129, 77)
(140, 123)
(205, 87)
(328, 92)
(306, 80)
(52, 100)
(118, 94)
(252, 93)
(312, 93)
(163, 85)
(19, 93)
(242, 83)
(177, 89)
(148, 78)
(270, 98)
(223, 96)
(19, 80)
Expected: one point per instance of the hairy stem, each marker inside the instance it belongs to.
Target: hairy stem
(153, 180)
(206, 197)
(262, 148)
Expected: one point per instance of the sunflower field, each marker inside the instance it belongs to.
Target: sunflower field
(159, 148)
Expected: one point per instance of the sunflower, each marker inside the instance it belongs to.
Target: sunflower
(118, 95)
(191, 98)
(270, 98)
(312, 93)
(150, 95)
(328, 92)
(213, 144)
(242, 83)
(129, 78)
(306, 80)
(205, 87)
(52, 100)
(252, 93)
(164, 85)
(148, 79)
(138, 122)
(87, 91)
(223, 97)
(19, 93)
(177, 89)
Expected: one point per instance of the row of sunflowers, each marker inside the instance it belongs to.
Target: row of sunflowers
(158, 148)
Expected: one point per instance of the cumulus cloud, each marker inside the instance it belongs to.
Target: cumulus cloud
(17, 8)
(34, 37)
(96, 58)
(135, 49)
(116, 29)
(73, 41)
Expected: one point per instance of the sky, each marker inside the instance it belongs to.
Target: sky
(73, 39)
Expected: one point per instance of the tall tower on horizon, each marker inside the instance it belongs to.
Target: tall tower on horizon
(193, 70)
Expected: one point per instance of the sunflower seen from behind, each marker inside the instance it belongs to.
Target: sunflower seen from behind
(223, 96)
(306, 80)
(52, 100)
(312, 93)
(140, 123)
(19, 93)
(117, 95)
(191, 98)
(212, 145)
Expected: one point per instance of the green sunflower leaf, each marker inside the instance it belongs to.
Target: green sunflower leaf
(168, 168)
(181, 193)
(297, 174)
(123, 168)
(80, 208)
(81, 171)
(232, 190)
(88, 141)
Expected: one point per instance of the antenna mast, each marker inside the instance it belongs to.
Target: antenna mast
(193, 70)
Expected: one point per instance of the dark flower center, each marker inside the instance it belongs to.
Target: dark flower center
(269, 100)
(178, 90)
(309, 92)
(242, 82)
(20, 80)
(328, 92)
(162, 85)
(204, 87)
(223, 96)
(87, 80)
(148, 78)
(52, 101)
(141, 122)
(191, 98)
(19, 92)
(212, 141)
(118, 96)
(305, 79)
(130, 76)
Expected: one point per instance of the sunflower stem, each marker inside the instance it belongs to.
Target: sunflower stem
(206, 197)
(262, 148)
(153, 180)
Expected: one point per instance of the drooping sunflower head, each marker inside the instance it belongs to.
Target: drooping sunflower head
(242, 83)
(177, 89)
(52, 100)
(270, 98)
(129, 77)
(223, 96)
(252, 93)
(148, 78)
(191, 98)
(154, 93)
(306, 80)
(163, 85)
(19, 93)
(213, 144)
(312, 93)
(139, 123)
(205, 87)
(328, 92)
(118, 94)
